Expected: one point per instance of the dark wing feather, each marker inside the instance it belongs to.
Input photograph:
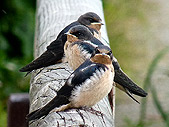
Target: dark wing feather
(54, 53)
(55, 102)
(48, 58)
(82, 73)
(96, 41)
(79, 76)
(122, 79)
(67, 28)
(116, 65)
(62, 37)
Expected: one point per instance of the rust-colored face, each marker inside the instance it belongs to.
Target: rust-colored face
(102, 58)
(72, 38)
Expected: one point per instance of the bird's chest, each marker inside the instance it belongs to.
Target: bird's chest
(93, 90)
(75, 56)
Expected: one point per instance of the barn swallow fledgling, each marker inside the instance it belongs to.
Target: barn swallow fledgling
(85, 87)
(76, 52)
(55, 51)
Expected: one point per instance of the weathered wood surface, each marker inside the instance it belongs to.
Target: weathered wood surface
(52, 16)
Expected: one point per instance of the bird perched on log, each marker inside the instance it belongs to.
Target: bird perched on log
(79, 46)
(55, 51)
(86, 86)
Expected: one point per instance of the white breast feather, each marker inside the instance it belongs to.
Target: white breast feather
(88, 83)
(87, 67)
(85, 53)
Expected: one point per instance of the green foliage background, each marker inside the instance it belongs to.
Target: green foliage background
(17, 21)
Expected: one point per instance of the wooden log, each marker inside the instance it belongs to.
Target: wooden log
(51, 17)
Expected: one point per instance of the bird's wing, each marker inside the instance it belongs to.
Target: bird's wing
(48, 58)
(55, 102)
(53, 54)
(80, 75)
(96, 41)
(123, 80)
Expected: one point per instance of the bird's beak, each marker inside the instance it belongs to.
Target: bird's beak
(97, 23)
(67, 33)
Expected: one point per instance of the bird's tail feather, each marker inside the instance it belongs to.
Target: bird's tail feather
(122, 79)
(55, 102)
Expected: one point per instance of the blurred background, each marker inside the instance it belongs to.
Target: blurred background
(17, 25)
(139, 37)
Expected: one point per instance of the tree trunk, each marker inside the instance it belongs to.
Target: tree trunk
(51, 17)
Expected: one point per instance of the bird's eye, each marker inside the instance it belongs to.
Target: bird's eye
(109, 53)
(78, 34)
(97, 51)
(91, 20)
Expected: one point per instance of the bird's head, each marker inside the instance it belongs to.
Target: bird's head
(107, 50)
(79, 33)
(91, 20)
(102, 55)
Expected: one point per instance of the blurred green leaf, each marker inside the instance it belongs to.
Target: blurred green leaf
(3, 116)
(147, 85)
